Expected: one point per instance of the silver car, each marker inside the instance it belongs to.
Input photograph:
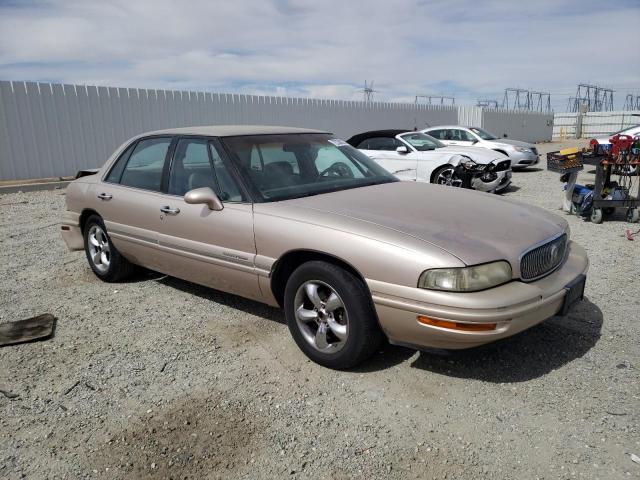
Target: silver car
(301, 220)
(522, 154)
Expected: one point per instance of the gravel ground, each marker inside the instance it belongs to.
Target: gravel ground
(160, 378)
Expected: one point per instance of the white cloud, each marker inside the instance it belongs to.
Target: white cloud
(325, 49)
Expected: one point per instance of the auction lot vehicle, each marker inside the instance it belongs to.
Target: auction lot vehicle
(415, 156)
(298, 219)
(522, 154)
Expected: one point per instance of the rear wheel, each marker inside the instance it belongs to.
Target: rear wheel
(104, 259)
(446, 175)
(330, 315)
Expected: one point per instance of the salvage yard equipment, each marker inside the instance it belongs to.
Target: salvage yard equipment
(565, 161)
(609, 195)
(594, 201)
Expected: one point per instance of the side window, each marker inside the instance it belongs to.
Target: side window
(116, 170)
(227, 188)
(145, 165)
(439, 134)
(383, 143)
(364, 145)
(450, 134)
(191, 167)
(466, 136)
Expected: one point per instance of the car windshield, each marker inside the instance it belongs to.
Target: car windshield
(483, 134)
(281, 167)
(421, 141)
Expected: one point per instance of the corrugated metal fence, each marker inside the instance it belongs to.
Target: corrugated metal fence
(592, 124)
(51, 130)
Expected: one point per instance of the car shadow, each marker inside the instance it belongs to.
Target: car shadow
(525, 356)
(251, 307)
(527, 169)
(510, 189)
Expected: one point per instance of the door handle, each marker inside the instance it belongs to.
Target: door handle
(105, 196)
(170, 211)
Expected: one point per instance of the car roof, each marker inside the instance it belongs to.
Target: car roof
(356, 139)
(448, 126)
(233, 130)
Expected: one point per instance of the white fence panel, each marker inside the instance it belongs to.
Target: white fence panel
(593, 124)
(52, 130)
(565, 125)
(597, 124)
(518, 125)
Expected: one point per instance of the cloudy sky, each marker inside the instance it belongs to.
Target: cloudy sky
(328, 48)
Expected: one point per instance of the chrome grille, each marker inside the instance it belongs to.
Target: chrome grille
(543, 259)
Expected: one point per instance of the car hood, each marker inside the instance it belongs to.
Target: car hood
(475, 227)
(477, 154)
(513, 143)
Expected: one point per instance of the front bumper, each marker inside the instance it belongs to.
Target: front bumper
(523, 159)
(514, 306)
(502, 181)
(71, 231)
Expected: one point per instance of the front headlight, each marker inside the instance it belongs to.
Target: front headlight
(522, 149)
(466, 279)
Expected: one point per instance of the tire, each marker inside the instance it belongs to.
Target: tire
(446, 175)
(596, 215)
(330, 315)
(103, 257)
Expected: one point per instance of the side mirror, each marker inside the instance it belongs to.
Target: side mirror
(402, 149)
(504, 135)
(204, 195)
(475, 140)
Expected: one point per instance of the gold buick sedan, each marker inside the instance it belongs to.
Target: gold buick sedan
(298, 219)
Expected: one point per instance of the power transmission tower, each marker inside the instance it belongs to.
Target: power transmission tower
(540, 101)
(368, 91)
(490, 103)
(516, 99)
(595, 98)
(631, 102)
(436, 97)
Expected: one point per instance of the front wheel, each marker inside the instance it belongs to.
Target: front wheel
(104, 259)
(447, 175)
(330, 315)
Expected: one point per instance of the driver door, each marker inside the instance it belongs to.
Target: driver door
(213, 248)
(383, 151)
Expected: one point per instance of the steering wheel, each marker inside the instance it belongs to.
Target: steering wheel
(338, 169)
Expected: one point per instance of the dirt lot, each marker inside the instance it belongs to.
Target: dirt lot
(159, 378)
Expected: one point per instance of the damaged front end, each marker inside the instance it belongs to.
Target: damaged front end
(491, 177)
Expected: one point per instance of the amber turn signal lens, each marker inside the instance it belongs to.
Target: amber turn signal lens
(465, 327)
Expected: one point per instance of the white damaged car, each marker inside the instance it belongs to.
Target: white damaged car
(415, 156)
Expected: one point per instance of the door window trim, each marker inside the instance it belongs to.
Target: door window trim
(129, 149)
(215, 143)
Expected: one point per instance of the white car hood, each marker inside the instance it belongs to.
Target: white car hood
(479, 155)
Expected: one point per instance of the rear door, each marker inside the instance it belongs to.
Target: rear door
(127, 196)
(213, 248)
(383, 151)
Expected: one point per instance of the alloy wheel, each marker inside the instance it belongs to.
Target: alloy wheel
(448, 177)
(321, 316)
(99, 250)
